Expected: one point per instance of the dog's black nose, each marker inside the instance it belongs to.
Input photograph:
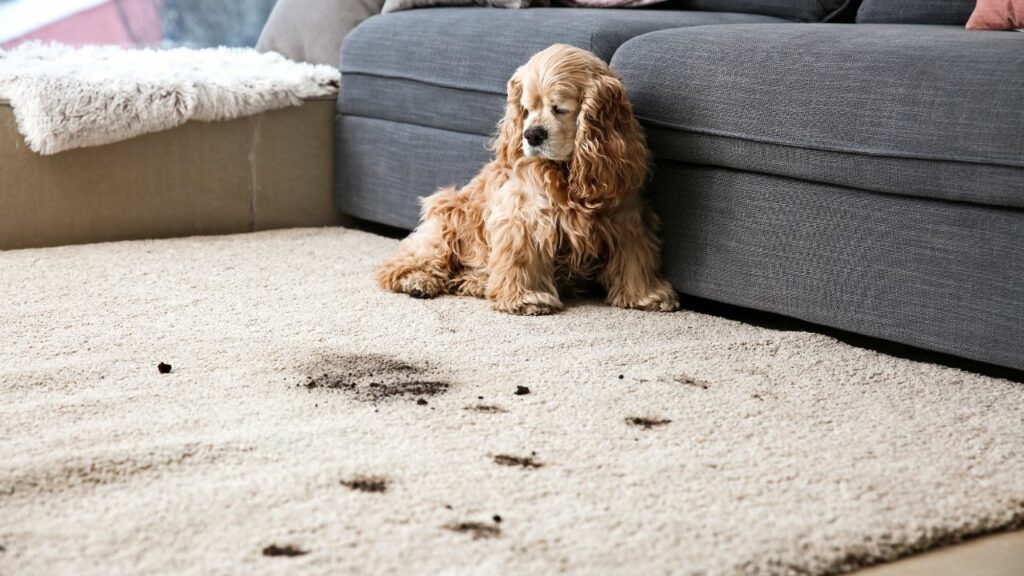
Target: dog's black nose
(535, 135)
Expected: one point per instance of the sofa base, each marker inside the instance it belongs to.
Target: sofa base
(384, 167)
(944, 276)
(939, 275)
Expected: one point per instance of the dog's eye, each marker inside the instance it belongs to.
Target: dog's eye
(557, 111)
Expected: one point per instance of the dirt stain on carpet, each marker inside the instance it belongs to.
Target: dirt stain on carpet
(486, 409)
(373, 377)
(521, 461)
(288, 551)
(88, 472)
(687, 380)
(479, 530)
(646, 423)
(363, 483)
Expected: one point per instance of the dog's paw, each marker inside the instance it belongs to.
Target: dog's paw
(530, 304)
(659, 301)
(662, 298)
(421, 285)
(471, 284)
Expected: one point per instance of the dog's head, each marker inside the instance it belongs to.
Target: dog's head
(566, 105)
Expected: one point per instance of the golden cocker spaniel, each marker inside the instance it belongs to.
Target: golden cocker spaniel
(559, 207)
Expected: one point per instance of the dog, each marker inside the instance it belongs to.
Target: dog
(558, 208)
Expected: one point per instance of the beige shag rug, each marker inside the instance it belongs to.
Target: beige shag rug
(65, 98)
(312, 423)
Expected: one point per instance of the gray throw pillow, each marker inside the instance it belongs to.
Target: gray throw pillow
(396, 5)
(952, 12)
(801, 10)
(312, 30)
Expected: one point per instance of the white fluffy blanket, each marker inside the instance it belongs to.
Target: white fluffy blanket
(66, 98)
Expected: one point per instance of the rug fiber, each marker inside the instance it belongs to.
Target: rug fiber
(311, 422)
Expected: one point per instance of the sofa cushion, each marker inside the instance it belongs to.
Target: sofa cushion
(916, 110)
(953, 12)
(396, 5)
(447, 67)
(802, 10)
(312, 30)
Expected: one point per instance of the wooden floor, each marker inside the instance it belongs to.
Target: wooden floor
(997, 555)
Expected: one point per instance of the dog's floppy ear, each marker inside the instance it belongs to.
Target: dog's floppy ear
(508, 145)
(610, 160)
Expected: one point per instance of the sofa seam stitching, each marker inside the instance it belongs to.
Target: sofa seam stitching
(417, 80)
(425, 126)
(875, 154)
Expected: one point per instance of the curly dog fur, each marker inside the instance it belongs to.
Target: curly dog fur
(558, 207)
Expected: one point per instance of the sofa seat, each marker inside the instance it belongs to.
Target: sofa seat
(943, 276)
(423, 90)
(447, 68)
(801, 169)
(926, 111)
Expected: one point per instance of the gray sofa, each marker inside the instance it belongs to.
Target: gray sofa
(866, 177)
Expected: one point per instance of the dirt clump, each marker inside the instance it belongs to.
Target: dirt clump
(479, 530)
(287, 551)
(364, 483)
(646, 423)
(521, 461)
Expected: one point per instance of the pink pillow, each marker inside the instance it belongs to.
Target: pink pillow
(997, 15)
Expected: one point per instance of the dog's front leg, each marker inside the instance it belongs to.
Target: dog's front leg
(420, 268)
(632, 275)
(521, 261)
